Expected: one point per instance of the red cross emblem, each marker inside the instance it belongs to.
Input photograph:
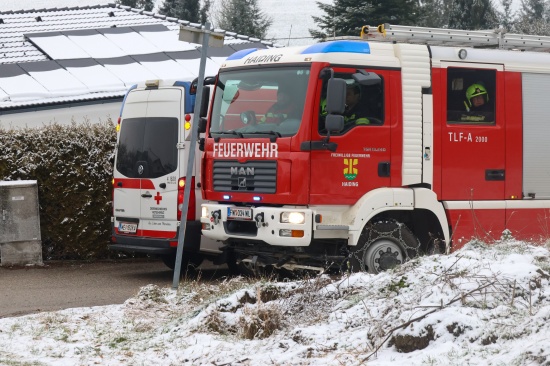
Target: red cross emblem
(158, 198)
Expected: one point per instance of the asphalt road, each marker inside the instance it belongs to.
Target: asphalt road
(62, 285)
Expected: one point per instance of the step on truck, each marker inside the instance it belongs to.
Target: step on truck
(151, 156)
(425, 170)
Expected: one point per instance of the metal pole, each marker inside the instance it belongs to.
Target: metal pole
(191, 160)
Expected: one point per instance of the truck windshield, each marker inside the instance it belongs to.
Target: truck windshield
(249, 103)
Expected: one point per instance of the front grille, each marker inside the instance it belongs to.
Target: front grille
(252, 176)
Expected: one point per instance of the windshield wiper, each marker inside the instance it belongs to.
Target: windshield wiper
(229, 132)
(272, 134)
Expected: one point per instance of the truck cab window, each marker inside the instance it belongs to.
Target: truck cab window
(364, 104)
(471, 96)
(252, 103)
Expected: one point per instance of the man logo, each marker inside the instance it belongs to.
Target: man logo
(242, 182)
(140, 169)
(235, 170)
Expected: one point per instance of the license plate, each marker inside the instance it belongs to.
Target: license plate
(239, 213)
(127, 227)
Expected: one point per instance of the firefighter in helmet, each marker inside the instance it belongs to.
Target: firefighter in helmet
(477, 104)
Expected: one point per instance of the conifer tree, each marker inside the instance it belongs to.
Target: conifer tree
(243, 17)
(473, 15)
(186, 10)
(507, 15)
(533, 18)
(346, 17)
(146, 5)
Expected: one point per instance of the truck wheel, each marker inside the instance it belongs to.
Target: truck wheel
(240, 265)
(188, 260)
(382, 246)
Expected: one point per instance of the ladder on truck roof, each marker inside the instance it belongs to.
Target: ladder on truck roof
(455, 37)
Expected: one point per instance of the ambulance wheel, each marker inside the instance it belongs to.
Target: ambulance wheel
(383, 245)
(189, 261)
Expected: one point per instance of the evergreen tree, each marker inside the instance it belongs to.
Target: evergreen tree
(205, 11)
(243, 17)
(346, 17)
(473, 14)
(533, 9)
(186, 10)
(434, 13)
(146, 5)
(507, 16)
(533, 18)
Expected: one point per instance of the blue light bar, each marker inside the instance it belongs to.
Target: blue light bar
(256, 198)
(240, 54)
(339, 46)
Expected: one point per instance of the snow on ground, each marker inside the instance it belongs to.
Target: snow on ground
(481, 305)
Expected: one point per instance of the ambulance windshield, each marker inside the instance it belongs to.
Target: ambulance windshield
(250, 103)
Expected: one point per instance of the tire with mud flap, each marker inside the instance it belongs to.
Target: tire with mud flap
(382, 246)
(189, 261)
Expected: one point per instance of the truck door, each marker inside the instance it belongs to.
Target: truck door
(473, 137)
(361, 161)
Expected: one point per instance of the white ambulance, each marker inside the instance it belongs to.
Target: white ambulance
(151, 157)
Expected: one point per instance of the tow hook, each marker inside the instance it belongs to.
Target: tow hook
(259, 218)
(216, 215)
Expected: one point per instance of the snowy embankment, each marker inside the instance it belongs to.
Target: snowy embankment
(482, 305)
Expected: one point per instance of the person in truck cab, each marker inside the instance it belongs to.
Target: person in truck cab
(283, 109)
(478, 108)
(356, 112)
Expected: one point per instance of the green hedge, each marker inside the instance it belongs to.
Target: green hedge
(73, 168)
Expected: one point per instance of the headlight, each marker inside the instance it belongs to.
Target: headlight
(204, 212)
(293, 218)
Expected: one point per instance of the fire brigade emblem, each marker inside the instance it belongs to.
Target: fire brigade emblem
(350, 171)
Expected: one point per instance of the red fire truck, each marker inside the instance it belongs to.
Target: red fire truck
(315, 188)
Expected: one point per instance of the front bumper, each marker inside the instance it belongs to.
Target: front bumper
(265, 226)
(151, 245)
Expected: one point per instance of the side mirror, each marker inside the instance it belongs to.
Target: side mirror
(366, 78)
(209, 80)
(205, 101)
(202, 125)
(336, 96)
(334, 123)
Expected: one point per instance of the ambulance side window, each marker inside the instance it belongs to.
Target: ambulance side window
(471, 95)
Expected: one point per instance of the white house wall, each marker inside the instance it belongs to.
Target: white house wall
(93, 113)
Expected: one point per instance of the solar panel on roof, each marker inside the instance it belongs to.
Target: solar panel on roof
(54, 78)
(96, 77)
(164, 39)
(56, 45)
(19, 85)
(129, 41)
(165, 67)
(127, 70)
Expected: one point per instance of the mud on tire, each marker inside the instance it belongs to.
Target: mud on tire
(383, 245)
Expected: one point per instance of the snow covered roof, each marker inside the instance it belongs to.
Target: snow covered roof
(62, 55)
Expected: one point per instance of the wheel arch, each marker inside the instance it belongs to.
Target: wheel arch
(418, 208)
